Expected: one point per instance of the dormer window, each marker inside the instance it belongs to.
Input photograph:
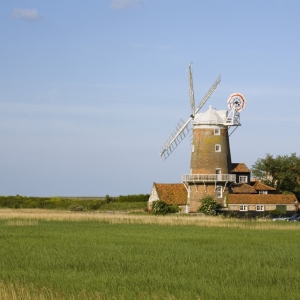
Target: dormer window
(217, 148)
(243, 179)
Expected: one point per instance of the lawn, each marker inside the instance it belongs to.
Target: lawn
(90, 256)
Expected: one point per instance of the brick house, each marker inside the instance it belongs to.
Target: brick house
(172, 193)
(256, 204)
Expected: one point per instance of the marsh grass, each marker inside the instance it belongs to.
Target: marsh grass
(119, 217)
(69, 255)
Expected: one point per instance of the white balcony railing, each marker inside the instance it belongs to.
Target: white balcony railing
(208, 177)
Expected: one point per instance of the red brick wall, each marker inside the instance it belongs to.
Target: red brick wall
(204, 158)
(199, 191)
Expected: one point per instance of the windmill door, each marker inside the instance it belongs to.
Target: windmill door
(219, 174)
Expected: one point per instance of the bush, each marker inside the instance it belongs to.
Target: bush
(173, 209)
(77, 207)
(275, 212)
(233, 214)
(160, 207)
(208, 205)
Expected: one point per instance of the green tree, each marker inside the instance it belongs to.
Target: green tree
(208, 205)
(281, 172)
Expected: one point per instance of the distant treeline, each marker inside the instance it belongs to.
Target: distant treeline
(92, 203)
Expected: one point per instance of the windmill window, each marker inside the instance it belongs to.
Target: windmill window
(219, 191)
(217, 148)
(243, 207)
(217, 131)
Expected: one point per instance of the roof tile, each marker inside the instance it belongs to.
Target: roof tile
(243, 188)
(172, 193)
(261, 199)
(239, 168)
(262, 187)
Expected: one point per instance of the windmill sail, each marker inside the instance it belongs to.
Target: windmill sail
(191, 88)
(175, 139)
(182, 129)
(209, 93)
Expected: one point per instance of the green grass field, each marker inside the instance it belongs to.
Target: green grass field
(96, 259)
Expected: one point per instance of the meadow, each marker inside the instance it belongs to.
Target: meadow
(89, 255)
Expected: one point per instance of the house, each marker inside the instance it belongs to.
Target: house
(256, 204)
(256, 198)
(172, 193)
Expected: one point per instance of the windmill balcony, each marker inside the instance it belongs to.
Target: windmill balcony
(208, 178)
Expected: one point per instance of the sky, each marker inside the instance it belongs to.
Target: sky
(90, 90)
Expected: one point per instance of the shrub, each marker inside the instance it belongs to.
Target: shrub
(173, 209)
(77, 207)
(275, 212)
(160, 207)
(233, 214)
(208, 205)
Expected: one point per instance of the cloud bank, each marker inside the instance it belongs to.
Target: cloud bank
(26, 14)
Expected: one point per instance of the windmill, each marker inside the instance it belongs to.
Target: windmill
(210, 167)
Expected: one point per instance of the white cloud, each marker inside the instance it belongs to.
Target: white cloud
(26, 14)
(120, 4)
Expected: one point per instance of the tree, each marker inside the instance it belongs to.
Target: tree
(281, 172)
(208, 205)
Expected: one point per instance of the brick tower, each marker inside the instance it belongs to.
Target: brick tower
(210, 158)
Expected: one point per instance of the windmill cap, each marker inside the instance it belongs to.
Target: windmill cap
(211, 116)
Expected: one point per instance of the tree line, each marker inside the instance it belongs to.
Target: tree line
(280, 172)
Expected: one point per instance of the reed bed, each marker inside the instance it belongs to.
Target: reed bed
(122, 218)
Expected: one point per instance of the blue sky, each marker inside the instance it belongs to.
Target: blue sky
(90, 90)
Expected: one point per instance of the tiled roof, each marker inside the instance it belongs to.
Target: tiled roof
(239, 168)
(261, 199)
(243, 188)
(262, 187)
(172, 193)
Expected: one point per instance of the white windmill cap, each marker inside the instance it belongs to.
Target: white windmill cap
(211, 116)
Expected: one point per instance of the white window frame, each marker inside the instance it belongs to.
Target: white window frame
(260, 207)
(243, 207)
(217, 148)
(217, 131)
(263, 192)
(243, 179)
(219, 191)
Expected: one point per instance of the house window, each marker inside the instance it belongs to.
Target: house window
(219, 191)
(217, 131)
(218, 148)
(243, 179)
(263, 192)
(243, 207)
(260, 208)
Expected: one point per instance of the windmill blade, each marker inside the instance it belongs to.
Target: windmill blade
(209, 93)
(175, 139)
(191, 88)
